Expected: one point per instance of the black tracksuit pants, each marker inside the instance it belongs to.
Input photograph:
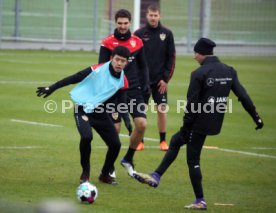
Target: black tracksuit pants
(193, 151)
(103, 125)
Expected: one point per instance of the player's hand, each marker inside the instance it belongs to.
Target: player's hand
(177, 141)
(46, 91)
(258, 122)
(163, 86)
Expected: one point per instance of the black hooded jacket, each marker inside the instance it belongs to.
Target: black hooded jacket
(208, 94)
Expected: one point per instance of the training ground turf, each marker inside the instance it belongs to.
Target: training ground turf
(39, 161)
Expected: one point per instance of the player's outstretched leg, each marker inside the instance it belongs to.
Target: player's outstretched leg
(152, 179)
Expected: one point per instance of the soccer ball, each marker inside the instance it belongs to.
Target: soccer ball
(87, 193)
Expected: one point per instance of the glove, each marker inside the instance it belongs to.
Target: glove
(46, 91)
(258, 122)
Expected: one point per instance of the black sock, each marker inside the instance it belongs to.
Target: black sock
(129, 155)
(142, 141)
(162, 136)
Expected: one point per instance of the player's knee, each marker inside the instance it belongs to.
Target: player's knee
(162, 108)
(140, 124)
(176, 142)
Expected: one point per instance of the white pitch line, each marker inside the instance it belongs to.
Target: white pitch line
(247, 153)
(126, 147)
(148, 139)
(35, 123)
(221, 149)
(24, 82)
(223, 204)
(263, 148)
(154, 139)
(19, 147)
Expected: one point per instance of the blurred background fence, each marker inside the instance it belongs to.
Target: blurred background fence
(238, 26)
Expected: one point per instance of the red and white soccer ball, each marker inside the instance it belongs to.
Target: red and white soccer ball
(87, 193)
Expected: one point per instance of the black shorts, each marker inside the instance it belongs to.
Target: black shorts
(100, 122)
(115, 117)
(156, 96)
(135, 103)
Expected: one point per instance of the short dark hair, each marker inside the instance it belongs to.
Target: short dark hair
(153, 7)
(121, 51)
(122, 13)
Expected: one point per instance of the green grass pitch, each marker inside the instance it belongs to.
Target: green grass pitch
(50, 168)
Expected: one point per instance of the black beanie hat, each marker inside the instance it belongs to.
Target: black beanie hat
(204, 46)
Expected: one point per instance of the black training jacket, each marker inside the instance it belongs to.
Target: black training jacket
(160, 52)
(209, 87)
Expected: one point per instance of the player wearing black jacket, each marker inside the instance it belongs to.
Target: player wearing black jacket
(159, 47)
(160, 55)
(209, 89)
(111, 73)
(137, 74)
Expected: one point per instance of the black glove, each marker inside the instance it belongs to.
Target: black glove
(258, 122)
(46, 91)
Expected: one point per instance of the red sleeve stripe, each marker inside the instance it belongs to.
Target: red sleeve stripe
(125, 84)
(172, 68)
(95, 66)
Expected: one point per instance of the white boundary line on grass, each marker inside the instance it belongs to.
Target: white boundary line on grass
(19, 147)
(217, 148)
(148, 139)
(24, 82)
(154, 139)
(35, 123)
(146, 147)
(263, 148)
(126, 147)
(223, 204)
(221, 149)
(247, 153)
